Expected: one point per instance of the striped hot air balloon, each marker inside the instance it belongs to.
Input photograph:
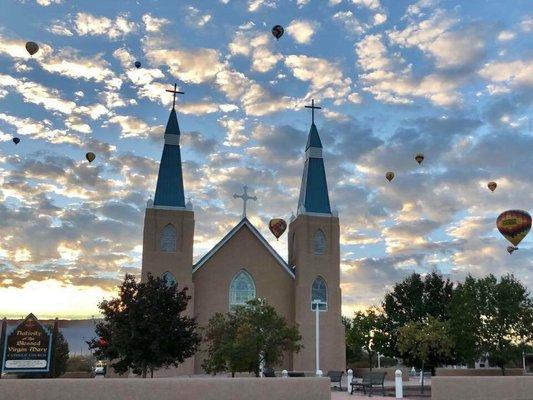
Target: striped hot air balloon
(514, 225)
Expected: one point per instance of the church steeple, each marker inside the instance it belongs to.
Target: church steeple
(314, 196)
(169, 191)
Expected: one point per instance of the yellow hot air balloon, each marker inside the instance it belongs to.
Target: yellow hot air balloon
(32, 48)
(492, 186)
(514, 225)
(90, 156)
(419, 158)
(389, 175)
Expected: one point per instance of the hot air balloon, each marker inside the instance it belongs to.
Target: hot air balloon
(277, 31)
(16, 140)
(137, 64)
(510, 249)
(90, 156)
(419, 158)
(389, 175)
(492, 186)
(32, 48)
(277, 227)
(514, 225)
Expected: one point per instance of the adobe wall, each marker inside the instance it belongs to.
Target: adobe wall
(166, 388)
(482, 388)
(478, 372)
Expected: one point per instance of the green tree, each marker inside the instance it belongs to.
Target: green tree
(81, 363)
(249, 336)
(361, 334)
(415, 299)
(423, 342)
(145, 328)
(491, 319)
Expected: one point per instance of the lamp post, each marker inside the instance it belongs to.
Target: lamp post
(317, 303)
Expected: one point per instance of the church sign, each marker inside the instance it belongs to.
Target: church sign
(27, 348)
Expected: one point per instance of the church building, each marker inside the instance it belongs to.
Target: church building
(243, 265)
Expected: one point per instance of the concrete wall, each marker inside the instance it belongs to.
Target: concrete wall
(482, 388)
(166, 388)
(478, 372)
(358, 372)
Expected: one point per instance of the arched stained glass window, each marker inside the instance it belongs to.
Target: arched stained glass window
(319, 242)
(168, 239)
(319, 291)
(169, 278)
(242, 289)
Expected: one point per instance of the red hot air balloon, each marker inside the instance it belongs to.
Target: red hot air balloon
(277, 227)
(514, 225)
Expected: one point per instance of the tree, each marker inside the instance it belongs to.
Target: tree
(415, 299)
(81, 363)
(423, 342)
(361, 333)
(243, 340)
(491, 319)
(145, 328)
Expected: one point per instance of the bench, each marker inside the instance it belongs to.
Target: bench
(336, 377)
(293, 374)
(370, 380)
(269, 373)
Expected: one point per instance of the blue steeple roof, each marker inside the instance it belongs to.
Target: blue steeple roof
(314, 196)
(169, 190)
(313, 140)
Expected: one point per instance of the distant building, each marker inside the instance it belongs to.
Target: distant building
(243, 265)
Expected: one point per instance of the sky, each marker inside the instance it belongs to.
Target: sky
(450, 79)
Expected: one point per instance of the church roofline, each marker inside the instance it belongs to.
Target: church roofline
(230, 234)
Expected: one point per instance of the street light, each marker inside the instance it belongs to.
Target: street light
(317, 303)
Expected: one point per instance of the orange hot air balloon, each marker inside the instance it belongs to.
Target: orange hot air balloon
(419, 158)
(277, 227)
(510, 249)
(514, 225)
(492, 186)
(90, 156)
(389, 175)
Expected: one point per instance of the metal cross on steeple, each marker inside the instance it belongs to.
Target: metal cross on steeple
(244, 198)
(313, 108)
(174, 92)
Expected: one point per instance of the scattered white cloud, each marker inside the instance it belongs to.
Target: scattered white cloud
(234, 131)
(196, 18)
(505, 36)
(154, 24)
(255, 5)
(133, 127)
(301, 31)
(88, 24)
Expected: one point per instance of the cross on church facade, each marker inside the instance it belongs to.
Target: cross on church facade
(313, 108)
(174, 93)
(244, 196)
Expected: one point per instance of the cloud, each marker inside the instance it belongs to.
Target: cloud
(350, 22)
(256, 45)
(154, 24)
(235, 131)
(389, 80)
(301, 31)
(86, 24)
(509, 74)
(195, 18)
(133, 127)
(255, 5)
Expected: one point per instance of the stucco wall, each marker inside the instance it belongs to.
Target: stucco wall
(482, 388)
(166, 388)
(478, 372)
(212, 281)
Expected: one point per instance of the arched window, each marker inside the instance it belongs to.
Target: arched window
(168, 239)
(169, 278)
(319, 242)
(242, 289)
(319, 291)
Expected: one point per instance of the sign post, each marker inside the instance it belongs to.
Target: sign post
(28, 347)
(2, 339)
